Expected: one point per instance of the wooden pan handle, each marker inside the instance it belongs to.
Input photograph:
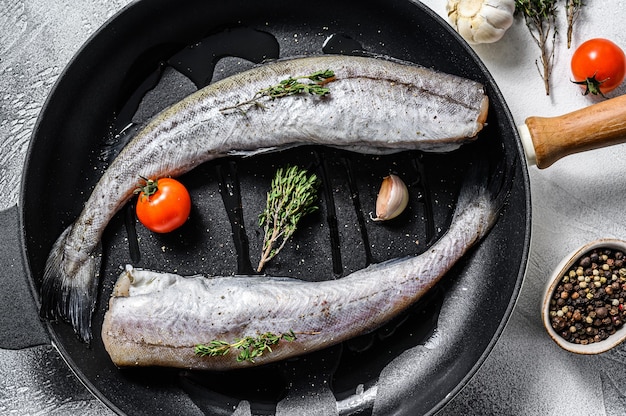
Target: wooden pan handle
(599, 125)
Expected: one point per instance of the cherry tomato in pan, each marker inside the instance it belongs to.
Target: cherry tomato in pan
(163, 205)
(599, 66)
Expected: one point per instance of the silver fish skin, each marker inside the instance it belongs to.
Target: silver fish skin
(156, 319)
(374, 104)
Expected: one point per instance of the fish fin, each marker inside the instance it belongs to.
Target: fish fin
(248, 153)
(114, 145)
(501, 173)
(369, 150)
(70, 296)
(488, 181)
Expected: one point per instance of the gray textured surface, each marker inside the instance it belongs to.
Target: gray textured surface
(36, 381)
(19, 321)
(37, 40)
(576, 200)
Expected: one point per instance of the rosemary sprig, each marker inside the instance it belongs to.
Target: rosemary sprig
(249, 347)
(572, 9)
(292, 195)
(314, 84)
(540, 18)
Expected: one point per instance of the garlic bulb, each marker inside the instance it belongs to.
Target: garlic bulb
(393, 197)
(481, 21)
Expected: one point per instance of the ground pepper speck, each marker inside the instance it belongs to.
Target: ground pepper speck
(588, 304)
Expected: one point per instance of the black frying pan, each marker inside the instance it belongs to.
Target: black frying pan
(155, 52)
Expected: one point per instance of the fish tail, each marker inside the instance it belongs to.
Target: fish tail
(485, 190)
(69, 286)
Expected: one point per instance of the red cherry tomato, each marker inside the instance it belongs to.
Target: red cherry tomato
(598, 65)
(163, 205)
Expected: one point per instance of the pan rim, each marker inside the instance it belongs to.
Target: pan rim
(126, 14)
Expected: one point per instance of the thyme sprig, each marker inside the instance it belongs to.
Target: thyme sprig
(292, 195)
(314, 84)
(572, 10)
(540, 18)
(249, 347)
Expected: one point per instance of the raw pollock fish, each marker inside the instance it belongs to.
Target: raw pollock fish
(156, 319)
(374, 105)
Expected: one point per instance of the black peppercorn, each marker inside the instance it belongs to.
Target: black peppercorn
(588, 305)
(601, 312)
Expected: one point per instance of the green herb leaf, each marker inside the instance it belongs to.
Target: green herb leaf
(293, 195)
(249, 347)
(213, 349)
(290, 86)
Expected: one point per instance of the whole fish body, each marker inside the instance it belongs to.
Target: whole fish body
(157, 319)
(374, 104)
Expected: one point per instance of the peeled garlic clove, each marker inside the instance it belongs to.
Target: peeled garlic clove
(393, 197)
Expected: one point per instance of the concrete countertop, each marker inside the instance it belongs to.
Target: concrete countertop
(576, 200)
